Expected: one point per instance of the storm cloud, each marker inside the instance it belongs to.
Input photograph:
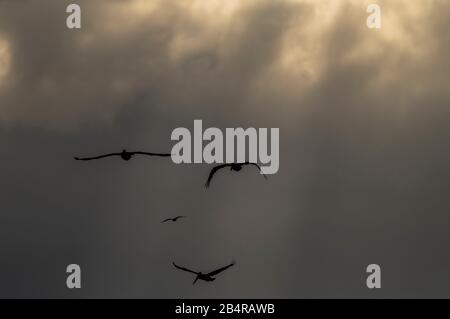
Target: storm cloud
(364, 166)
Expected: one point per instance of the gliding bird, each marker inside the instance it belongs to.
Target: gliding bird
(126, 156)
(173, 219)
(202, 276)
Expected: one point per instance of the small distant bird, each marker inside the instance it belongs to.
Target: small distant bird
(233, 167)
(173, 219)
(202, 276)
(126, 156)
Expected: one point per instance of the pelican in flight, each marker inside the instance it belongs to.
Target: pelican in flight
(126, 156)
(205, 277)
(173, 219)
(233, 167)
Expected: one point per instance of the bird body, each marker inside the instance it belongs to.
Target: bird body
(205, 277)
(125, 155)
(236, 167)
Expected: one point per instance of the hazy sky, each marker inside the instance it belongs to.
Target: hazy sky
(364, 133)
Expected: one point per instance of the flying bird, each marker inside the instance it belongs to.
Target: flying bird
(233, 167)
(173, 219)
(205, 277)
(126, 156)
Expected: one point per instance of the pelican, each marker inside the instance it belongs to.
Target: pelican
(125, 155)
(233, 167)
(205, 277)
(173, 219)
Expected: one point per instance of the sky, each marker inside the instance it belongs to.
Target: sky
(364, 162)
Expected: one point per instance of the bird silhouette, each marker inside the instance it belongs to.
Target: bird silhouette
(173, 219)
(205, 277)
(233, 167)
(126, 156)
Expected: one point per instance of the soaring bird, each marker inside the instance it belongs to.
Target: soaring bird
(202, 276)
(126, 156)
(173, 219)
(233, 167)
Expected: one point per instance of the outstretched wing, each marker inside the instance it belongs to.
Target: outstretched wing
(178, 217)
(213, 171)
(152, 154)
(259, 167)
(185, 269)
(215, 272)
(166, 220)
(96, 157)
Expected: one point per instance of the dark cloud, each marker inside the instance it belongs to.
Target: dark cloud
(363, 135)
